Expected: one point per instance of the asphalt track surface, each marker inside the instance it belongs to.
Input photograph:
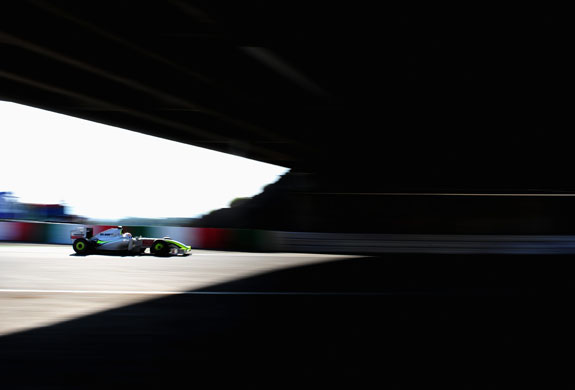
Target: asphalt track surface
(253, 320)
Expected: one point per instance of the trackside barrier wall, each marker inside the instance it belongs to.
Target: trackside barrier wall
(354, 243)
(59, 233)
(274, 241)
(8, 231)
(199, 238)
(23, 232)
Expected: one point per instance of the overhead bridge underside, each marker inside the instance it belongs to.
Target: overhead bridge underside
(367, 98)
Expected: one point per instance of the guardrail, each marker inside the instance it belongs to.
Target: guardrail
(249, 240)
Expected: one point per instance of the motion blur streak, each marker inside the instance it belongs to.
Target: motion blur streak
(568, 195)
(253, 240)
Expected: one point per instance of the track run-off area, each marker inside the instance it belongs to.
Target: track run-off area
(46, 284)
(283, 320)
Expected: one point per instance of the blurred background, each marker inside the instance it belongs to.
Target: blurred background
(374, 193)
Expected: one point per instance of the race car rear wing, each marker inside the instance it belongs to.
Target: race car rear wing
(82, 232)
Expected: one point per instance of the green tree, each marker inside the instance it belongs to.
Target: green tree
(238, 202)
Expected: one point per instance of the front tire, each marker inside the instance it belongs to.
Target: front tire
(80, 246)
(160, 248)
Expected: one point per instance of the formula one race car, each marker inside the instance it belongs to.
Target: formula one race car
(114, 241)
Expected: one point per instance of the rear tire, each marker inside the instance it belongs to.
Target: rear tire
(80, 246)
(160, 248)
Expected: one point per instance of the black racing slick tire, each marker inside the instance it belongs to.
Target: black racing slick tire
(160, 248)
(81, 246)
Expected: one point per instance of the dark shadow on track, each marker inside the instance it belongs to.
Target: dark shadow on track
(123, 254)
(456, 321)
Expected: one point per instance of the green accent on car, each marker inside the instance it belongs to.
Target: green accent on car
(101, 242)
(80, 246)
(159, 246)
(179, 245)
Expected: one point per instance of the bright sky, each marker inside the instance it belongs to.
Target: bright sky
(105, 172)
